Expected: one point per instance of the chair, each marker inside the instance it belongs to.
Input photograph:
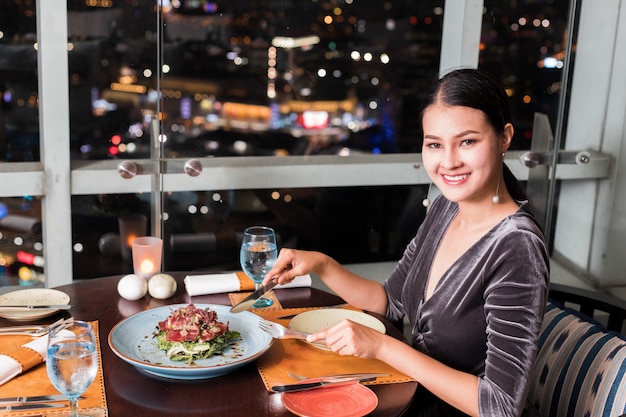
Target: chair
(581, 364)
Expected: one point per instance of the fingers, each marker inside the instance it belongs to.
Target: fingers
(348, 339)
(316, 337)
(282, 271)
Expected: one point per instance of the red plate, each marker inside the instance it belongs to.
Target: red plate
(352, 400)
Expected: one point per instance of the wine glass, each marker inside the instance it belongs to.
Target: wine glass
(72, 360)
(257, 256)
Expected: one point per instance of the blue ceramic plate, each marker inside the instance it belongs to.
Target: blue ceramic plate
(132, 340)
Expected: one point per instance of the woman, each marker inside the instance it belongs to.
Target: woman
(472, 283)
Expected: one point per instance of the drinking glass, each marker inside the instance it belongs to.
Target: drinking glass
(72, 361)
(257, 256)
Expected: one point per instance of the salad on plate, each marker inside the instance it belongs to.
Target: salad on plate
(192, 333)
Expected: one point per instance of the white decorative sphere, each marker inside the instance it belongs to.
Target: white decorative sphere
(132, 287)
(162, 286)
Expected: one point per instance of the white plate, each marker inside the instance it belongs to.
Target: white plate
(132, 340)
(32, 296)
(315, 320)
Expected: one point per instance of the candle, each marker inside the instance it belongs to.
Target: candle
(147, 256)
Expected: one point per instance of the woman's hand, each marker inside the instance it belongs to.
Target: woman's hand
(292, 263)
(348, 338)
(355, 290)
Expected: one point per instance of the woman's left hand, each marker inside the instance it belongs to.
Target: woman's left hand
(348, 338)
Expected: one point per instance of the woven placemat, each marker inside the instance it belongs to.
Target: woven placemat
(297, 356)
(36, 382)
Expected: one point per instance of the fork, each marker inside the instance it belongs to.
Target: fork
(280, 332)
(35, 330)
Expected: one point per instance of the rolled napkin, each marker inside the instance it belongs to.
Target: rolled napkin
(16, 359)
(231, 282)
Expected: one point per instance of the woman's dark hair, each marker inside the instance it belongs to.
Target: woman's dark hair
(482, 91)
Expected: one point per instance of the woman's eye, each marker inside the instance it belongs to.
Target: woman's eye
(433, 145)
(466, 142)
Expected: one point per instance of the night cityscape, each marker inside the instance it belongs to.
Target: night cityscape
(264, 78)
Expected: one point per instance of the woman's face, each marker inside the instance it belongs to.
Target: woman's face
(462, 154)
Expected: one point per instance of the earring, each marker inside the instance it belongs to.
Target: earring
(426, 201)
(496, 198)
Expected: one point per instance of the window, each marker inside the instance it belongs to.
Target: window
(292, 110)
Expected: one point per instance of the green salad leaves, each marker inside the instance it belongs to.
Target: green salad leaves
(191, 333)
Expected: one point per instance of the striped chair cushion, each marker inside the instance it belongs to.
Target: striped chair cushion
(580, 369)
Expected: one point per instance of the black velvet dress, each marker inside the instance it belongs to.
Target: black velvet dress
(484, 316)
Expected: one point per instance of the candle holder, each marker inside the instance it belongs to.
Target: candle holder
(147, 252)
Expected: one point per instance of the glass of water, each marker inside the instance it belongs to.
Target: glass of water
(72, 361)
(258, 254)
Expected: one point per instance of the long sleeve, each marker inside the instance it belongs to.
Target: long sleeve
(485, 315)
(515, 299)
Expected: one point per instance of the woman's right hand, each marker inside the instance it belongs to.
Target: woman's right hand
(354, 289)
(292, 263)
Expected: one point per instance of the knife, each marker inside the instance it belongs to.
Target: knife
(247, 302)
(35, 399)
(301, 386)
(339, 376)
(37, 307)
(30, 406)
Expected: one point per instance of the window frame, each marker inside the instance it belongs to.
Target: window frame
(56, 179)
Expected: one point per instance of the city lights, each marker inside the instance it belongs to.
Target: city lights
(339, 51)
(288, 42)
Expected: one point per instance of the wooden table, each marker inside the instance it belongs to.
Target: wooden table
(131, 392)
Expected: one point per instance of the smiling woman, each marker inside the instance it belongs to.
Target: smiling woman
(467, 131)
(460, 281)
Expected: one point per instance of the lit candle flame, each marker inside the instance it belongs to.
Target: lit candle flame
(147, 266)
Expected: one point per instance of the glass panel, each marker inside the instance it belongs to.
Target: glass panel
(113, 51)
(216, 100)
(353, 80)
(525, 44)
(203, 229)
(21, 248)
(114, 77)
(99, 247)
(353, 224)
(19, 99)
(296, 78)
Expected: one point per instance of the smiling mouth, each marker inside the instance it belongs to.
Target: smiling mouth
(455, 178)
